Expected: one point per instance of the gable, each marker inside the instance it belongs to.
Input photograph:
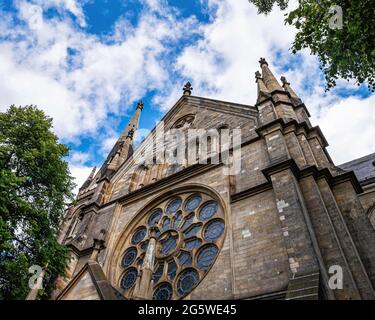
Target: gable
(188, 112)
(90, 283)
(83, 289)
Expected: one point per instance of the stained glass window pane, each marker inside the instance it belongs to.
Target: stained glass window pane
(155, 217)
(192, 231)
(139, 234)
(129, 278)
(172, 270)
(208, 211)
(129, 257)
(144, 245)
(174, 206)
(192, 244)
(163, 292)
(184, 258)
(166, 224)
(193, 203)
(168, 245)
(207, 256)
(188, 221)
(157, 233)
(187, 281)
(177, 220)
(140, 261)
(158, 273)
(214, 230)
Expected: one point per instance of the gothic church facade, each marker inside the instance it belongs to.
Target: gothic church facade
(278, 228)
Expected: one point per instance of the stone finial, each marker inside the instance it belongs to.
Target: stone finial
(257, 76)
(140, 105)
(284, 81)
(263, 61)
(187, 89)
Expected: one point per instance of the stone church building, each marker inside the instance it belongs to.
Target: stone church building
(286, 224)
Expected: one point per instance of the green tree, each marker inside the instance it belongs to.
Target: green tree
(346, 52)
(35, 185)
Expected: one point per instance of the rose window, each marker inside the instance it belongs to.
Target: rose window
(189, 231)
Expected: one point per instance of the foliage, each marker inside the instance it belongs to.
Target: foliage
(34, 187)
(347, 52)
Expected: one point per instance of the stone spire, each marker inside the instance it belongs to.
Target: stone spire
(286, 85)
(88, 180)
(124, 145)
(269, 79)
(132, 126)
(187, 89)
(263, 92)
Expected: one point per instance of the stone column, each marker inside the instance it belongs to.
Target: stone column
(143, 287)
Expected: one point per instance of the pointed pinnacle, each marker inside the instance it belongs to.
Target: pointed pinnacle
(263, 61)
(140, 105)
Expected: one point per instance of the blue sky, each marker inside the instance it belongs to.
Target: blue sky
(87, 63)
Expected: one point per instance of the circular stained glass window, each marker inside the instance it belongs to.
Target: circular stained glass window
(213, 230)
(206, 256)
(139, 234)
(155, 217)
(189, 231)
(129, 257)
(163, 292)
(187, 280)
(129, 278)
(174, 206)
(208, 211)
(193, 203)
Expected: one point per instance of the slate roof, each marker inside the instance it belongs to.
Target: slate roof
(364, 168)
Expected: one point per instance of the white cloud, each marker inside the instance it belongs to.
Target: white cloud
(108, 144)
(80, 174)
(349, 126)
(79, 158)
(79, 79)
(222, 65)
(72, 6)
(80, 91)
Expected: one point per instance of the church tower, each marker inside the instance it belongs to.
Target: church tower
(289, 224)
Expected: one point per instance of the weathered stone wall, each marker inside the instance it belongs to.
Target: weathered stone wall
(83, 289)
(289, 214)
